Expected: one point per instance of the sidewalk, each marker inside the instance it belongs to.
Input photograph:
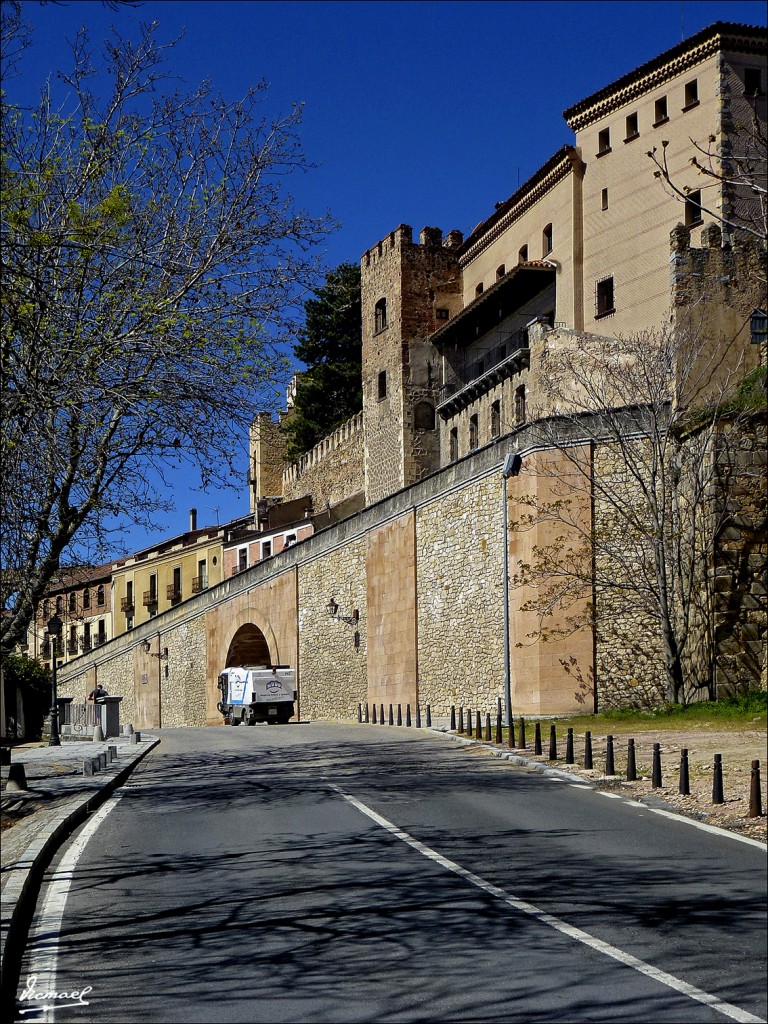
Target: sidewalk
(34, 824)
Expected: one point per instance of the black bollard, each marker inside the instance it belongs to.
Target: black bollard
(717, 781)
(487, 727)
(609, 766)
(469, 721)
(631, 762)
(429, 717)
(399, 714)
(588, 750)
(755, 794)
(552, 743)
(685, 783)
(569, 748)
(537, 739)
(512, 745)
(359, 713)
(522, 734)
(418, 716)
(479, 726)
(498, 727)
(381, 719)
(367, 718)
(656, 777)
(407, 716)
(374, 713)
(453, 718)
(391, 714)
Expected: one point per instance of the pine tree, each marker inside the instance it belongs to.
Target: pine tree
(330, 346)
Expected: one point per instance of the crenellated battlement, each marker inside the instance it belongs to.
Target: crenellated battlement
(343, 437)
(402, 236)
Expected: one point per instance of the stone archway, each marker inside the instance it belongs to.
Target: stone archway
(248, 646)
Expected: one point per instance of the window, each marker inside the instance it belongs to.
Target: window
(100, 595)
(604, 141)
(479, 289)
(495, 419)
(87, 636)
(382, 384)
(101, 634)
(441, 314)
(424, 417)
(500, 272)
(522, 256)
(86, 598)
(472, 432)
(380, 315)
(632, 128)
(520, 404)
(604, 297)
(59, 605)
(758, 327)
(691, 94)
(604, 199)
(73, 602)
(266, 549)
(46, 609)
(242, 559)
(129, 593)
(660, 111)
(546, 236)
(202, 573)
(693, 208)
(753, 82)
(453, 445)
(290, 540)
(72, 645)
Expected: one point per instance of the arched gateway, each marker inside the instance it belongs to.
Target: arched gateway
(248, 646)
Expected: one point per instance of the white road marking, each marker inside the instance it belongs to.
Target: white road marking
(610, 796)
(677, 984)
(44, 948)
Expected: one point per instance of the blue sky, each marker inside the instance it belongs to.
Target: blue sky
(424, 113)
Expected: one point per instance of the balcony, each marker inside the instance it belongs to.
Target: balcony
(199, 584)
(86, 644)
(126, 605)
(150, 599)
(483, 374)
(172, 592)
(238, 569)
(72, 646)
(100, 639)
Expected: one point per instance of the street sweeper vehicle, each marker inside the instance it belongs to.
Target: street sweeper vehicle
(257, 693)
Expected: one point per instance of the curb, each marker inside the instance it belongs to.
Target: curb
(24, 878)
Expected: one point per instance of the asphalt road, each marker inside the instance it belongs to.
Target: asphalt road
(332, 873)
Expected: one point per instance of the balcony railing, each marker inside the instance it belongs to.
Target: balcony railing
(72, 646)
(99, 639)
(150, 598)
(172, 592)
(238, 568)
(86, 644)
(126, 605)
(483, 373)
(199, 584)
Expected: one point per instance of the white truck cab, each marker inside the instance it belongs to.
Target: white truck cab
(257, 693)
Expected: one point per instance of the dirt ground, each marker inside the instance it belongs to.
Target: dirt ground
(739, 748)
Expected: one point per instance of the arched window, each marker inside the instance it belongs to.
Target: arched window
(522, 256)
(86, 598)
(46, 609)
(479, 289)
(472, 432)
(546, 240)
(500, 272)
(424, 417)
(73, 601)
(380, 315)
(453, 452)
(100, 594)
(520, 404)
(495, 419)
(59, 605)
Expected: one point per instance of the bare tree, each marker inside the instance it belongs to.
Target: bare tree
(638, 463)
(152, 264)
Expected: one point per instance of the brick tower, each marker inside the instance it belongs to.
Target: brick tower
(408, 291)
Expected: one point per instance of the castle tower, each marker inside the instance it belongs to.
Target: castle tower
(408, 291)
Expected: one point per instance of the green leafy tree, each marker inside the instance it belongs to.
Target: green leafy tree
(153, 262)
(330, 346)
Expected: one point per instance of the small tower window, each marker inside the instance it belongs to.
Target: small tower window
(693, 209)
(604, 199)
(473, 432)
(382, 384)
(604, 141)
(691, 94)
(424, 417)
(520, 404)
(758, 327)
(660, 111)
(632, 128)
(495, 419)
(547, 240)
(753, 82)
(380, 315)
(453, 445)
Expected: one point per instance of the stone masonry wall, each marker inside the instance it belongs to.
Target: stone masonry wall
(460, 598)
(184, 688)
(332, 471)
(333, 670)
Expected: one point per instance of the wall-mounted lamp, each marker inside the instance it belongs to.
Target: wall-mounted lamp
(333, 611)
(146, 647)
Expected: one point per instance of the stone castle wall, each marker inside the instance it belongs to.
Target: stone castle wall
(332, 471)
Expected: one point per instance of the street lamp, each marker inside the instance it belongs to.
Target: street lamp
(54, 632)
(511, 467)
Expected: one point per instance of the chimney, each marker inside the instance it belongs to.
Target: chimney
(192, 520)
